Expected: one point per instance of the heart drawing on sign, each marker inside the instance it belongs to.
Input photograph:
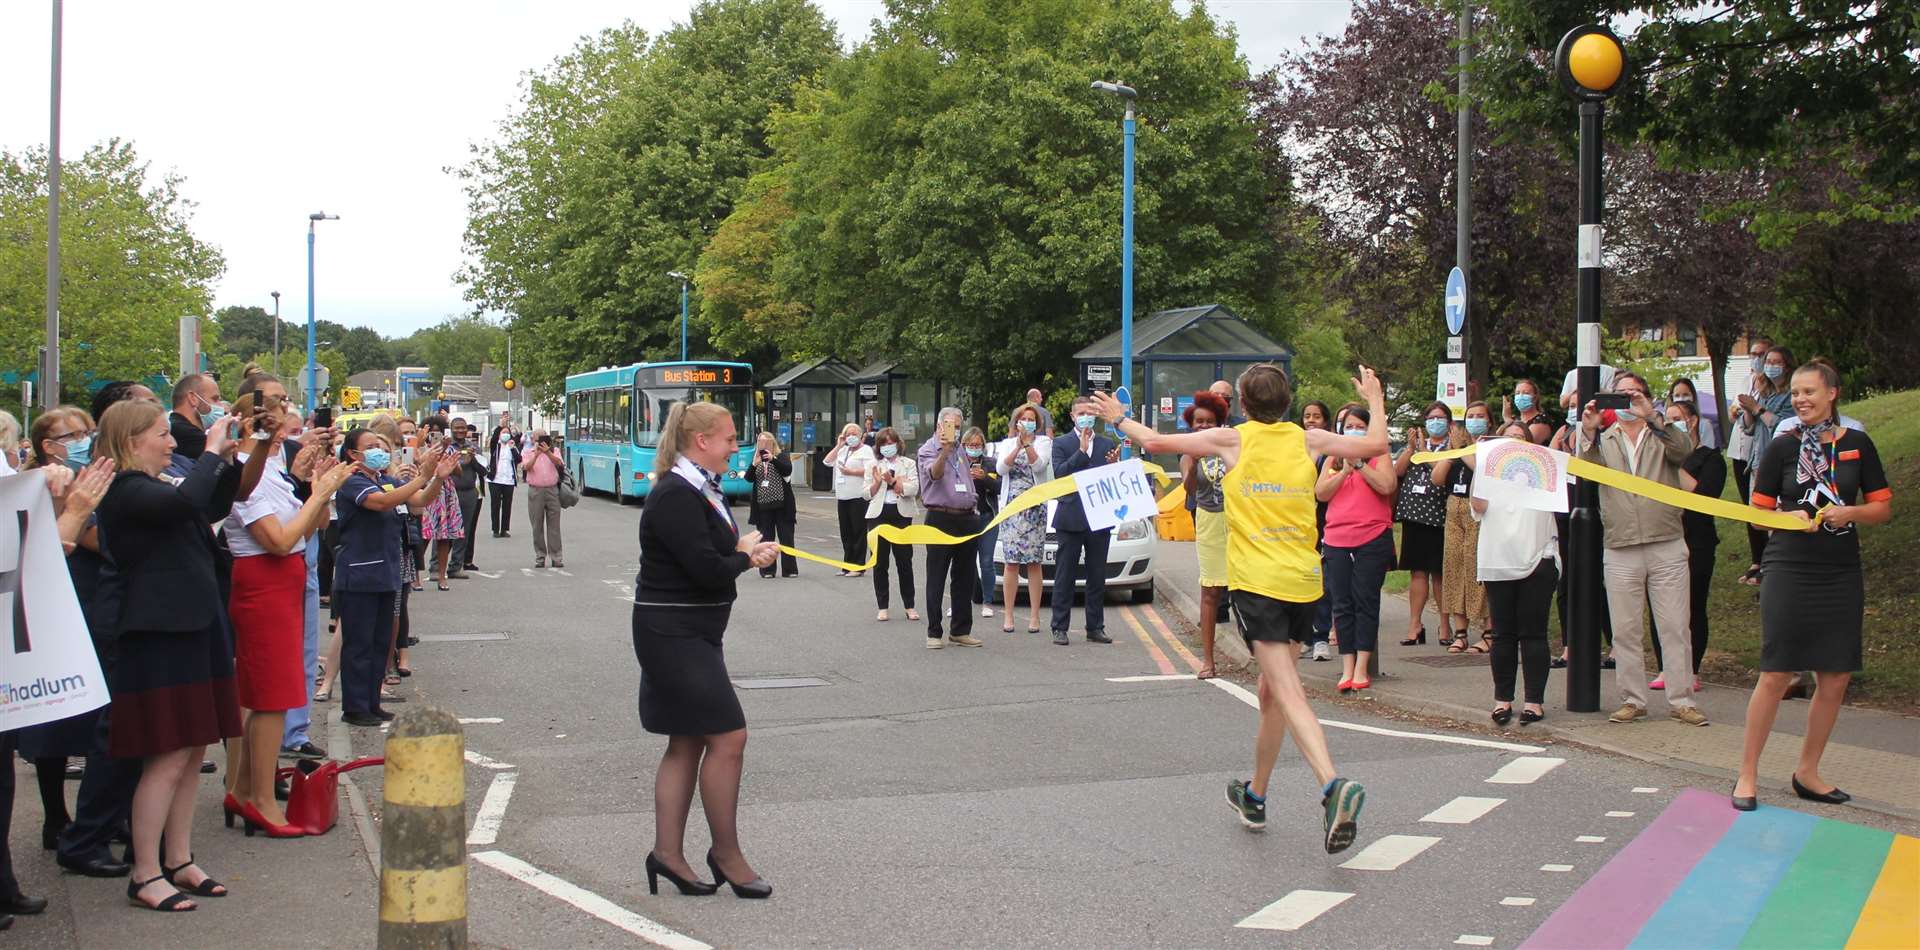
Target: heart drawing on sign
(1120, 512)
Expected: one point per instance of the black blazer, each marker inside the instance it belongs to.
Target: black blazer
(493, 453)
(161, 543)
(1068, 515)
(687, 551)
(783, 470)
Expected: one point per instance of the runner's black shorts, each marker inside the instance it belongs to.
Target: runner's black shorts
(1275, 621)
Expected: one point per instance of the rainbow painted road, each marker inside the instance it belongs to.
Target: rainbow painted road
(1705, 876)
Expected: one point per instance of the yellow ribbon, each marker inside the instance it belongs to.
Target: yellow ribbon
(1648, 488)
(929, 535)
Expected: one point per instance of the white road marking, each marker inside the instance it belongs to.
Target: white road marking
(1246, 696)
(492, 577)
(482, 720)
(561, 736)
(1643, 790)
(1294, 911)
(493, 809)
(527, 571)
(486, 763)
(1390, 852)
(588, 901)
(1156, 678)
(563, 573)
(1516, 902)
(1463, 810)
(1590, 839)
(1556, 868)
(1619, 814)
(1473, 940)
(1526, 770)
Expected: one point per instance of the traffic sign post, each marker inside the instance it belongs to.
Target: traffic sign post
(1456, 301)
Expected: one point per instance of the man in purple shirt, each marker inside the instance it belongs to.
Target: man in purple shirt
(946, 488)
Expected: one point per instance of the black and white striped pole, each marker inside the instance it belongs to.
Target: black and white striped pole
(1591, 63)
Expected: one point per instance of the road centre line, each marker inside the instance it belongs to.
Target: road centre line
(482, 761)
(1390, 852)
(1159, 658)
(481, 720)
(493, 809)
(1246, 696)
(1463, 810)
(1294, 911)
(1525, 771)
(594, 904)
(1155, 678)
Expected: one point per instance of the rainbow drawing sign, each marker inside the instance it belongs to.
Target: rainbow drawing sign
(1516, 472)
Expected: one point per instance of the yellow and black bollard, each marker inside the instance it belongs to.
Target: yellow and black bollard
(423, 850)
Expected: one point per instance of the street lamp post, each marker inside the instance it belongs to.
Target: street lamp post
(684, 281)
(311, 375)
(276, 332)
(1128, 95)
(50, 362)
(1591, 64)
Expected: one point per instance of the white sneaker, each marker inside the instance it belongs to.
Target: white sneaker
(1306, 650)
(986, 611)
(1321, 652)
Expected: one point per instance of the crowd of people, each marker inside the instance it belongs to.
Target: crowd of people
(206, 540)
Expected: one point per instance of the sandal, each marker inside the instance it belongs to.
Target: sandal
(1206, 673)
(1484, 646)
(404, 671)
(174, 903)
(881, 616)
(1006, 628)
(1418, 639)
(1752, 577)
(392, 680)
(1458, 644)
(912, 614)
(208, 887)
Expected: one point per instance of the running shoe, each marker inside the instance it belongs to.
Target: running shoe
(1321, 652)
(1342, 805)
(1252, 813)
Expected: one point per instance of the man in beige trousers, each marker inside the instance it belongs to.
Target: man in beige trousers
(542, 467)
(1646, 560)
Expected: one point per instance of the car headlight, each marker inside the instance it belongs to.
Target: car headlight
(1132, 531)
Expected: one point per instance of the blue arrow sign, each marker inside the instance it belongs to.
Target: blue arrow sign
(1126, 398)
(1456, 301)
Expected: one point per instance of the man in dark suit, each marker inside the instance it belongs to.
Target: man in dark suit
(1075, 451)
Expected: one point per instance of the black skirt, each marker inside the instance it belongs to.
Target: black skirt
(684, 687)
(172, 690)
(1810, 619)
(1422, 547)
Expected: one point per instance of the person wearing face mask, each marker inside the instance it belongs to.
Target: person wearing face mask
(196, 407)
(893, 491)
(947, 491)
(1523, 406)
(1683, 390)
(1085, 448)
(1646, 549)
(1755, 415)
(986, 486)
(1518, 558)
(1463, 599)
(1358, 547)
(772, 511)
(1023, 461)
(849, 461)
(1202, 474)
(503, 473)
(1421, 509)
(1703, 473)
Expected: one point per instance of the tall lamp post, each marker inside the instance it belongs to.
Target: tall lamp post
(1591, 64)
(50, 358)
(276, 331)
(1128, 95)
(311, 376)
(684, 281)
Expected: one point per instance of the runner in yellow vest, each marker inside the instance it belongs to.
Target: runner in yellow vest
(1273, 571)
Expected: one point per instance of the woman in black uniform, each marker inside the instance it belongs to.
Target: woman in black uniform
(691, 552)
(1812, 594)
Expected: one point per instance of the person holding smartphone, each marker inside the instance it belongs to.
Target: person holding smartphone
(541, 468)
(772, 511)
(850, 461)
(952, 502)
(893, 490)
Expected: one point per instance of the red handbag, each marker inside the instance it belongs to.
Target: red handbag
(313, 799)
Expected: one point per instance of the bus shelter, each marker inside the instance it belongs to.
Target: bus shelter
(807, 406)
(910, 404)
(1175, 354)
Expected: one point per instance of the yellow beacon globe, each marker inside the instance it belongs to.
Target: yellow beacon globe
(1595, 62)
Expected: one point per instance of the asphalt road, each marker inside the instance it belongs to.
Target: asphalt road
(1014, 795)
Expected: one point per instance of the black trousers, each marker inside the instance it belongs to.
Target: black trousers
(1699, 588)
(1352, 578)
(470, 521)
(1756, 538)
(853, 530)
(958, 564)
(1066, 574)
(1519, 610)
(329, 543)
(9, 885)
(902, 559)
(501, 508)
(778, 526)
(105, 799)
(1564, 592)
(366, 633)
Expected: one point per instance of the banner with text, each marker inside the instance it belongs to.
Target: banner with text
(1115, 493)
(48, 670)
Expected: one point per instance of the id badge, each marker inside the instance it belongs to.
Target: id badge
(1419, 489)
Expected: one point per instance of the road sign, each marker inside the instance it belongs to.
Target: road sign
(1456, 301)
(1452, 387)
(1454, 348)
(1125, 397)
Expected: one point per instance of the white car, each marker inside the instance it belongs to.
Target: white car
(1129, 560)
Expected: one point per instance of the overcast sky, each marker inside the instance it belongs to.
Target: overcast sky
(271, 111)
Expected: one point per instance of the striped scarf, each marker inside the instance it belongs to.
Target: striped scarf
(1813, 455)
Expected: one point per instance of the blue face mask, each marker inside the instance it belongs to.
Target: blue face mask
(1476, 427)
(974, 453)
(1083, 423)
(1436, 427)
(1353, 431)
(889, 450)
(214, 413)
(377, 459)
(1028, 426)
(1523, 401)
(853, 441)
(1774, 371)
(80, 452)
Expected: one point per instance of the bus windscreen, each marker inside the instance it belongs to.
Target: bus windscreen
(656, 400)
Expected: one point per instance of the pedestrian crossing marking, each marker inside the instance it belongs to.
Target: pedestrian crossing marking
(1294, 911)
(1619, 814)
(1590, 839)
(1473, 940)
(1525, 770)
(1463, 810)
(1644, 790)
(1556, 868)
(1516, 902)
(1390, 852)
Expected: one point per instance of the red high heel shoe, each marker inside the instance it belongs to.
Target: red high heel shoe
(231, 807)
(256, 821)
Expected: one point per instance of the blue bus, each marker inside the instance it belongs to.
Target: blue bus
(614, 415)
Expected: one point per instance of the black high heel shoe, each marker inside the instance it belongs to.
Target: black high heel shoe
(1418, 639)
(1834, 797)
(756, 889)
(657, 870)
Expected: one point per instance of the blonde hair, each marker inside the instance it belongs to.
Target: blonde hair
(122, 423)
(770, 437)
(9, 429)
(385, 427)
(43, 428)
(684, 421)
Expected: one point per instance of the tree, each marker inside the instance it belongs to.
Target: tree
(457, 346)
(363, 349)
(955, 187)
(130, 265)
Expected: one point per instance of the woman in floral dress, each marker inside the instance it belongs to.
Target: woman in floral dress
(1024, 460)
(441, 523)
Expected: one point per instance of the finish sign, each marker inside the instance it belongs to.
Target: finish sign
(1456, 301)
(1111, 494)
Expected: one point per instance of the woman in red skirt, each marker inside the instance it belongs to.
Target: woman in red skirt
(268, 535)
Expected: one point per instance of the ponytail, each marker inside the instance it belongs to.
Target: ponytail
(684, 421)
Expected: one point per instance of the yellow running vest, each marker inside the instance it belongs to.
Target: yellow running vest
(1271, 531)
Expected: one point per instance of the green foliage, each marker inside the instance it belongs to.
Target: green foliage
(130, 265)
(1323, 366)
(363, 349)
(458, 345)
